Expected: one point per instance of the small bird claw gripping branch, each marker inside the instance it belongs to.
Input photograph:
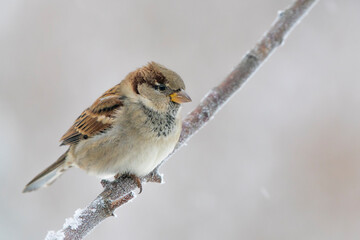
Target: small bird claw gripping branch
(120, 191)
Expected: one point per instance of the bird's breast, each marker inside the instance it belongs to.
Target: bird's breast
(136, 144)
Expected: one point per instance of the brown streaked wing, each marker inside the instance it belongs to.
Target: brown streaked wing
(98, 118)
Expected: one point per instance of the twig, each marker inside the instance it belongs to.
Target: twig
(119, 192)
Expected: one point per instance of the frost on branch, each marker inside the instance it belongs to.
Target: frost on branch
(75, 221)
(84, 220)
(71, 223)
(51, 235)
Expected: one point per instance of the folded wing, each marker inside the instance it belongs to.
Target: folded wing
(95, 119)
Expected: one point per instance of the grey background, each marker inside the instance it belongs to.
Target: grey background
(280, 161)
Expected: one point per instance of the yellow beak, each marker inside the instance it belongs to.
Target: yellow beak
(180, 97)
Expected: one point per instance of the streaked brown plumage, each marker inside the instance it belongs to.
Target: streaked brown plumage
(95, 119)
(127, 130)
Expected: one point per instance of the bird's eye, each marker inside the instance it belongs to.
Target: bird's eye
(160, 87)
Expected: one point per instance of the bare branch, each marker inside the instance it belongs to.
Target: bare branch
(120, 191)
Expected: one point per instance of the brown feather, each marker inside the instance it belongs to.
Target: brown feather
(95, 119)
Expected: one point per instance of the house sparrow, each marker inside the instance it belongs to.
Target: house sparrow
(130, 129)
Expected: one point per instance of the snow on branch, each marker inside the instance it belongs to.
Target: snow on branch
(120, 191)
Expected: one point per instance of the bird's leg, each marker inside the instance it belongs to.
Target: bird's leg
(136, 179)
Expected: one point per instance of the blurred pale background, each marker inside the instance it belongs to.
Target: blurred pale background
(280, 161)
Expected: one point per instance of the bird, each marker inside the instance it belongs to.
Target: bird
(127, 131)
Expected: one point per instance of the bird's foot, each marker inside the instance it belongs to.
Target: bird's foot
(136, 179)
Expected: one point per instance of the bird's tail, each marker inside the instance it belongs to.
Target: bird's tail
(49, 175)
